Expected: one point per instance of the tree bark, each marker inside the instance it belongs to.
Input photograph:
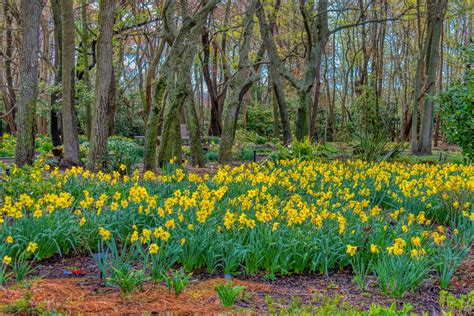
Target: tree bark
(268, 40)
(55, 95)
(112, 104)
(436, 10)
(417, 93)
(7, 103)
(98, 153)
(8, 68)
(30, 14)
(215, 125)
(238, 86)
(197, 157)
(181, 55)
(85, 58)
(71, 154)
(151, 131)
(317, 35)
(150, 76)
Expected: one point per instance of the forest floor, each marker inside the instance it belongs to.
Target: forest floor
(51, 291)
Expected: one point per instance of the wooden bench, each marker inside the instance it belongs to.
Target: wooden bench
(11, 160)
(8, 160)
(183, 130)
(260, 148)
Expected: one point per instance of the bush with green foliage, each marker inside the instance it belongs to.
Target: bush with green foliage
(260, 121)
(124, 151)
(211, 156)
(303, 151)
(376, 147)
(456, 107)
(43, 144)
(7, 145)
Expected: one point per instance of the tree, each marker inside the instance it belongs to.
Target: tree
(98, 154)
(436, 10)
(266, 32)
(71, 154)
(55, 95)
(317, 33)
(7, 90)
(30, 14)
(239, 85)
(182, 52)
(85, 59)
(151, 131)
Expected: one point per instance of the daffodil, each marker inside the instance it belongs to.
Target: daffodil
(7, 260)
(351, 250)
(153, 248)
(32, 247)
(374, 248)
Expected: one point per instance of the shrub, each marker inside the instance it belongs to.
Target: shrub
(303, 151)
(455, 107)
(124, 151)
(211, 156)
(7, 145)
(246, 154)
(375, 147)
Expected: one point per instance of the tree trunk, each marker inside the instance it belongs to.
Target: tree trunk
(436, 10)
(30, 14)
(197, 157)
(8, 67)
(317, 34)
(111, 104)
(437, 132)
(238, 87)
(71, 154)
(98, 153)
(55, 95)
(150, 76)
(268, 40)
(7, 103)
(170, 135)
(215, 126)
(151, 131)
(85, 57)
(417, 93)
(181, 57)
(276, 113)
(314, 111)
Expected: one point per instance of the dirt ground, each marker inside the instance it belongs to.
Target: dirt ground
(85, 294)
